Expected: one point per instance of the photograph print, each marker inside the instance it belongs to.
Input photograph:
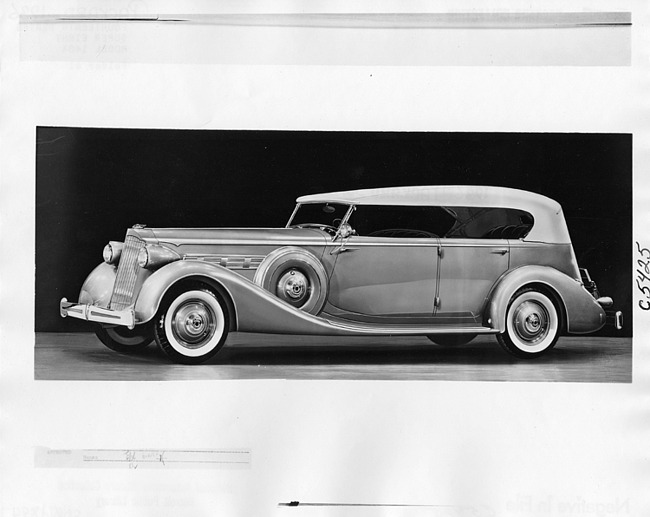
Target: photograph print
(332, 255)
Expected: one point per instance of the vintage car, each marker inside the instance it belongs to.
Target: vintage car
(445, 262)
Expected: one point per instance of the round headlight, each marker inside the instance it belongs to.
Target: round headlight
(143, 257)
(108, 253)
(153, 256)
(112, 252)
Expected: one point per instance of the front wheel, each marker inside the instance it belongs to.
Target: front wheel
(192, 325)
(123, 340)
(532, 324)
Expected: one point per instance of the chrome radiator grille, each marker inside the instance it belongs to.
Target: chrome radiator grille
(127, 272)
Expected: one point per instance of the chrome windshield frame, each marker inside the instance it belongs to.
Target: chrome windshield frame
(344, 219)
(347, 215)
(293, 214)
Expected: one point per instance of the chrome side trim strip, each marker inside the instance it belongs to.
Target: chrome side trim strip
(429, 243)
(410, 329)
(426, 242)
(244, 242)
(397, 243)
(251, 262)
(485, 243)
(476, 243)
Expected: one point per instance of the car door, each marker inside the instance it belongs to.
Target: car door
(385, 276)
(468, 270)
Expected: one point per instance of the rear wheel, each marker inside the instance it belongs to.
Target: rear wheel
(451, 340)
(192, 325)
(532, 324)
(123, 340)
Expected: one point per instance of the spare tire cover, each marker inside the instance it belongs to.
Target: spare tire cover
(295, 276)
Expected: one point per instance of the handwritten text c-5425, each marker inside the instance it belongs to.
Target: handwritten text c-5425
(643, 276)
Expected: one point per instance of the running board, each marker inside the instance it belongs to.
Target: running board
(407, 330)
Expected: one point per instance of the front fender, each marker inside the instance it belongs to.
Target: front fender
(98, 286)
(583, 313)
(255, 309)
(156, 286)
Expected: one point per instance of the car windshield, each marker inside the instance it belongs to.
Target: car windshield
(328, 214)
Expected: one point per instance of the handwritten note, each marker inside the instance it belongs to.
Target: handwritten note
(142, 458)
(643, 276)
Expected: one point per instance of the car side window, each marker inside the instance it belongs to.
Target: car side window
(413, 222)
(489, 223)
(401, 222)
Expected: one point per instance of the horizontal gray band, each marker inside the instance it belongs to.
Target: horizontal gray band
(367, 20)
(142, 458)
(354, 39)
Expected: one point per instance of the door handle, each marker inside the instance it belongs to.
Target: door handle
(500, 251)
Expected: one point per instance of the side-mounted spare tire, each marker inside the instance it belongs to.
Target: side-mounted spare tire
(295, 276)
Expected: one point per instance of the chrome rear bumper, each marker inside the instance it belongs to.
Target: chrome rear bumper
(85, 311)
(615, 318)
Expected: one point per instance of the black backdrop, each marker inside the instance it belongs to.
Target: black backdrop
(91, 184)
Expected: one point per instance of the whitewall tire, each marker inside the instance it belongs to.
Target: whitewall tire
(533, 324)
(192, 325)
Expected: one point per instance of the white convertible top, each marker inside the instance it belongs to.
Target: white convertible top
(549, 225)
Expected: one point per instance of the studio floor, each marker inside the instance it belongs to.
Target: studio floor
(81, 356)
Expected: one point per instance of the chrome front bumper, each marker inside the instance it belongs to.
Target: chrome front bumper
(85, 311)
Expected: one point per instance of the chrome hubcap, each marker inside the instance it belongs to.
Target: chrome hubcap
(531, 322)
(293, 287)
(193, 324)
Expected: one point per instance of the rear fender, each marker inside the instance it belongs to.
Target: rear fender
(581, 311)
